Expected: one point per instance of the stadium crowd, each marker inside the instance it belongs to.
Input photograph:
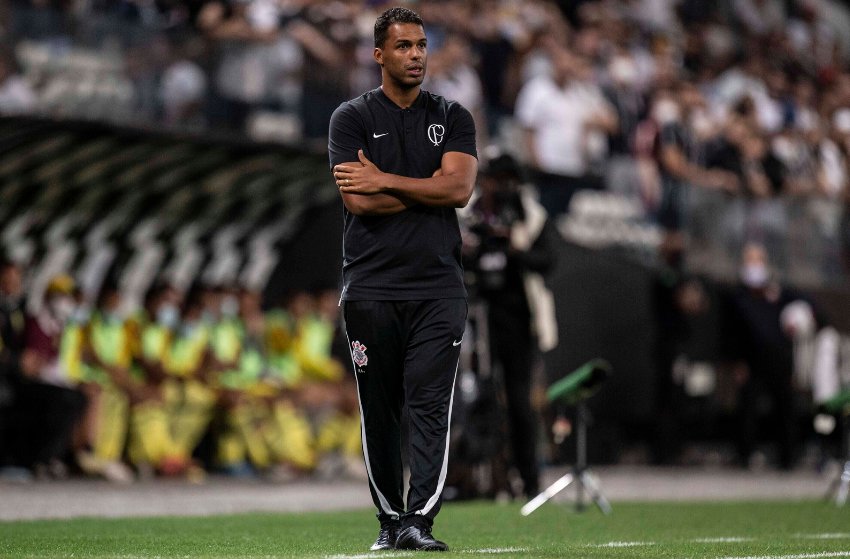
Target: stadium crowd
(186, 383)
(749, 97)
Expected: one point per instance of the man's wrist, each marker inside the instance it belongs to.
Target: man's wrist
(386, 182)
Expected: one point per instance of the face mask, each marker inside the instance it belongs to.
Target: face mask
(81, 315)
(112, 317)
(230, 306)
(666, 111)
(62, 308)
(784, 149)
(754, 275)
(701, 123)
(168, 316)
(623, 70)
(188, 329)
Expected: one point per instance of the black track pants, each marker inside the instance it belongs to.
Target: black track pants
(405, 353)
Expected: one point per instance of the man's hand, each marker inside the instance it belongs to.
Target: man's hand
(366, 190)
(361, 177)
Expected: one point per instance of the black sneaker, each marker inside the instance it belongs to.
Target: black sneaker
(420, 539)
(387, 536)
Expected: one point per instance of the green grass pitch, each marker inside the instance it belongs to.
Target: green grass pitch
(787, 530)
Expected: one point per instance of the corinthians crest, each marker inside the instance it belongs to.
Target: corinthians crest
(436, 133)
(358, 354)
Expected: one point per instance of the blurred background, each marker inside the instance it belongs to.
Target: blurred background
(665, 184)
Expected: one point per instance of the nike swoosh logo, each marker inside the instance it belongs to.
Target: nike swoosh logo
(457, 342)
(379, 135)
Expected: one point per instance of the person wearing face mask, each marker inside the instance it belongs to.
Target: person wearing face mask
(226, 330)
(761, 351)
(189, 396)
(565, 119)
(152, 445)
(71, 349)
(624, 94)
(115, 387)
(321, 350)
(46, 408)
(680, 152)
(291, 435)
(238, 365)
(40, 358)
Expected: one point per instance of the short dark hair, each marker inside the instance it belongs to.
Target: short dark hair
(391, 16)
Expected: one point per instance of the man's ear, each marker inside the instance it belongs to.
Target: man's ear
(378, 55)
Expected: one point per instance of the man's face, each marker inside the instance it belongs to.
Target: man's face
(111, 301)
(563, 67)
(404, 53)
(11, 284)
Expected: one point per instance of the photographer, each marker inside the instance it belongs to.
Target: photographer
(508, 244)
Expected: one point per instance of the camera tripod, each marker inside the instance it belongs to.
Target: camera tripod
(584, 480)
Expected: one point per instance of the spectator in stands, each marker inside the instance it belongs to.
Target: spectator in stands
(183, 88)
(500, 36)
(680, 154)
(839, 134)
(42, 20)
(760, 17)
(143, 67)
(559, 114)
(789, 147)
(451, 73)
(325, 32)
(245, 32)
(16, 95)
(740, 150)
(624, 94)
(844, 233)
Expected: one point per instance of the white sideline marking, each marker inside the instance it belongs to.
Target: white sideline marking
(621, 544)
(497, 550)
(383, 554)
(101, 556)
(799, 556)
(826, 536)
(722, 540)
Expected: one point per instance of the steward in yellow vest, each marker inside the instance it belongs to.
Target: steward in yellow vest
(152, 444)
(106, 364)
(189, 397)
